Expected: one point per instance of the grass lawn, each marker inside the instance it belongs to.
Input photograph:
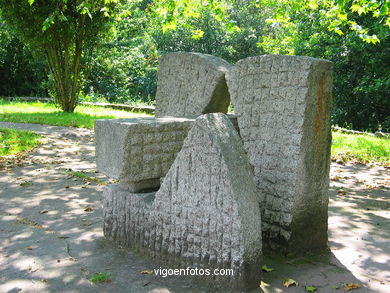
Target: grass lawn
(345, 147)
(45, 113)
(361, 148)
(16, 141)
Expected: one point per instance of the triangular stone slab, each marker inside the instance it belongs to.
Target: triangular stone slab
(206, 213)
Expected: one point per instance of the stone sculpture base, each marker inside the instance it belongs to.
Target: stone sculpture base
(205, 214)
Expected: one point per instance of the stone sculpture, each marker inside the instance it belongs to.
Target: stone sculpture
(283, 106)
(197, 191)
(206, 212)
(191, 84)
(139, 152)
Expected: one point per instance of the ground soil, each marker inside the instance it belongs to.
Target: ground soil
(51, 236)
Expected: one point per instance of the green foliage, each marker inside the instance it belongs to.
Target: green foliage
(354, 34)
(84, 177)
(100, 278)
(336, 16)
(65, 32)
(361, 148)
(310, 288)
(125, 67)
(361, 79)
(20, 73)
(15, 141)
(48, 114)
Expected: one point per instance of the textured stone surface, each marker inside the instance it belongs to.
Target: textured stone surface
(125, 215)
(191, 84)
(139, 151)
(206, 213)
(283, 106)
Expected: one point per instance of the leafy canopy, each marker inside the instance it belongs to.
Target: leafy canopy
(65, 32)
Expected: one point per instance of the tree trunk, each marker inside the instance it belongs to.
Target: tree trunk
(66, 74)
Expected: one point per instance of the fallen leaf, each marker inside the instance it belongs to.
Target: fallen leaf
(335, 178)
(310, 288)
(341, 192)
(335, 287)
(88, 209)
(44, 280)
(289, 282)
(351, 286)
(29, 248)
(147, 272)
(266, 269)
(44, 211)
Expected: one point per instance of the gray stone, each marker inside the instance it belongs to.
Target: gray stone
(206, 213)
(191, 84)
(283, 107)
(139, 152)
(125, 215)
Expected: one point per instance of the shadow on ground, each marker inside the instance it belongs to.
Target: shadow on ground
(51, 231)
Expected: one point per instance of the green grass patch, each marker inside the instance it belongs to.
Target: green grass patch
(84, 177)
(361, 148)
(46, 113)
(346, 147)
(13, 141)
(100, 278)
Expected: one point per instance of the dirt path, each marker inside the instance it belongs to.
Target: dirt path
(51, 229)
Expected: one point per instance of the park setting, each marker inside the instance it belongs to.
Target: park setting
(194, 146)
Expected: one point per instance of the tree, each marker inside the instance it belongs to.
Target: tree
(20, 73)
(63, 31)
(355, 39)
(125, 68)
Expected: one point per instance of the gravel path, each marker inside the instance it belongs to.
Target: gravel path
(51, 229)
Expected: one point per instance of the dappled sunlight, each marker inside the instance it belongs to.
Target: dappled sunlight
(46, 113)
(21, 236)
(359, 226)
(16, 284)
(160, 290)
(49, 241)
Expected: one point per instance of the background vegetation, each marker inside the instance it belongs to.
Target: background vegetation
(47, 113)
(346, 147)
(16, 141)
(354, 34)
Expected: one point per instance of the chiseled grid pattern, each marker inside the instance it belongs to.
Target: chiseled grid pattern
(206, 228)
(270, 96)
(201, 216)
(187, 83)
(125, 215)
(151, 150)
(195, 215)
